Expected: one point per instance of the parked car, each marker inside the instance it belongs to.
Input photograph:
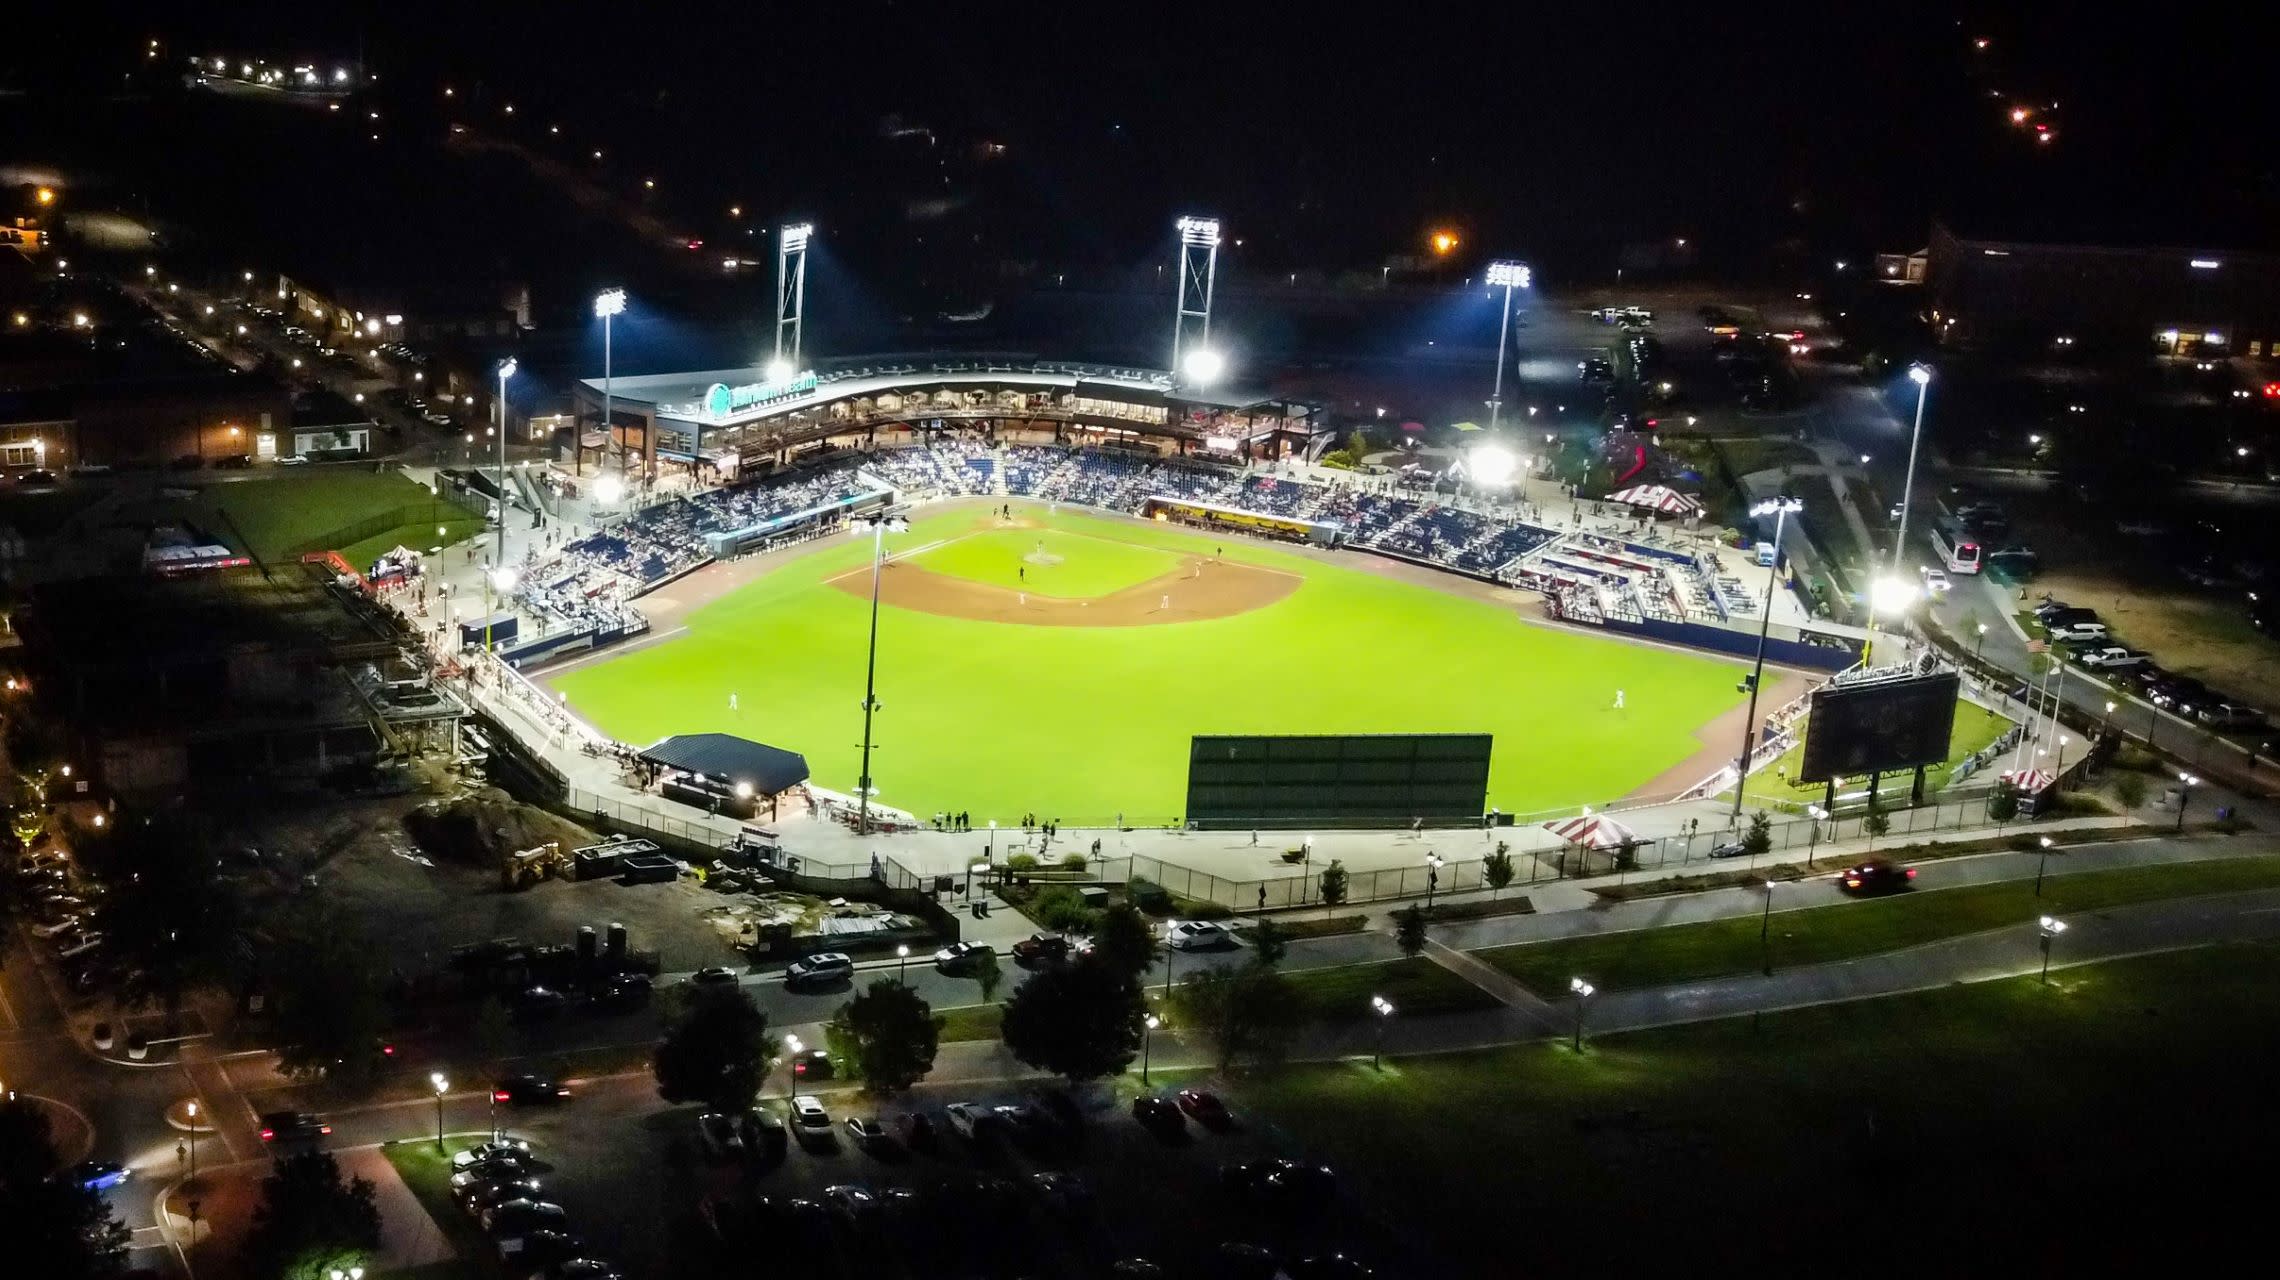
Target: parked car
(1159, 1114)
(823, 966)
(763, 1134)
(528, 1090)
(1284, 1187)
(868, 1134)
(498, 1168)
(1729, 849)
(2063, 632)
(2180, 694)
(813, 1064)
(1040, 947)
(961, 956)
(2111, 656)
(1064, 1193)
(1198, 935)
(476, 1197)
(536, 1004)
(512, 1148)
(853, 1205)
(917, 1131)
(1206, 1107)
(713, 976)
(622, 992)
(1935, 581)
(812, 1123)
(966, 1118)
(719, 1136)
(292, 1126)
(2229, 715)
(1877, 875)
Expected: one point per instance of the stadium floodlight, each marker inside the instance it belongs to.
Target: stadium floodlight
(794, 238)
(1509, 275)
(1780, 509)
(1200, 231)
(778, 371)
(1492, 465)
(1203, 366)
(608, 490)
(504, 578)
(609, 302)
(1890, 596)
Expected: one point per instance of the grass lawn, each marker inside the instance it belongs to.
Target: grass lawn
(971, 1022)
(1678, 953)
(1050, 562)
(1414, 984)
(1975, 727)
(419, 537)
(427, 1173)
(1083, 723)
(282, 515)
(1998, 1128)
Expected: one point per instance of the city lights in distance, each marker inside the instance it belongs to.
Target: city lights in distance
(1444, 243)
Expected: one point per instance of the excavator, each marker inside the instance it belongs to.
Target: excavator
(527, 867)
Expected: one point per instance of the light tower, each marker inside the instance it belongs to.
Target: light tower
(791, 298)
(608, 304)
(1199, 268)
(1508, 276)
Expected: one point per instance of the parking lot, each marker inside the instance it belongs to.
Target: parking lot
(637, 1182)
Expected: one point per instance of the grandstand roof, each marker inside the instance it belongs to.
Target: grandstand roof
(724, 755)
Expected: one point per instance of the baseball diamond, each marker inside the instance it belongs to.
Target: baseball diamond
(1057, 661)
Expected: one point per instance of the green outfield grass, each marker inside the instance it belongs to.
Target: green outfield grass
(1050, 562)
(1083, 723)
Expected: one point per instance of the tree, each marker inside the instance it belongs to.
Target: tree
(988, 974)
(1240, 1010)
(1270, 942)
(174, 920)
(1409, 929)
(1759, 838)
(1358, 445)
(326, 1006)
(715, 1050)
(1878, 821)
(889, 1033)
(1334, 883)
(1124, 941)
(53, 1227)
(2003, 803)
(312, 1222)
(1079, 1020)
(1496, 869)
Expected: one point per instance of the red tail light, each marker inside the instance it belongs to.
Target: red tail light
(1911, 873)
(499, 1095)
(324, 1128)
(268, 1134)
(387, 1051)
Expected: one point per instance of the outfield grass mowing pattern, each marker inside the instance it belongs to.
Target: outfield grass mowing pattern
(1081, 723)
(1816, 935)
(1082, 567)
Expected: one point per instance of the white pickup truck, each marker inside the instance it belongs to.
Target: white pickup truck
(2112, 656)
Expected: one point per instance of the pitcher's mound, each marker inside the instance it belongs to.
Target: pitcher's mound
(1042, 559)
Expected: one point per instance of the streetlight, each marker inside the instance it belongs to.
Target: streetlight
(1433, 865)
(1921, 375)
(608, 304)
(1818, 815)
(1510, 276)
(989, 850)
(2108, 722)
(792, 1046)
(1583, 991)
(2052, 926)
(1765, 930)
(2187, 782)
(2042, 860)
(880, 523)
(499, 582)
(506, 371)
(2060, 768)
(441, 1086)
(1779, 509)
(902, 964)
(1147, 1043)
(190, 1110)
(1384, 1009)
(1979, 652)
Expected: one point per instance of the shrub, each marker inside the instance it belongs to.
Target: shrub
(1209, 911)
(1021, 862)
(1075, 862)
(2129, 788)
(1060, 907)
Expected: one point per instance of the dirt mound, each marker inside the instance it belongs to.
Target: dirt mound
(481, 828)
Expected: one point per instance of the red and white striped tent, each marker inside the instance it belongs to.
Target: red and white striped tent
(1658, 497)
(1592, 831)
(2029, 781)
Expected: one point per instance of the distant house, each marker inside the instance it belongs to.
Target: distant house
(327, 425)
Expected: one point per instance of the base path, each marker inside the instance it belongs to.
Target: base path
(1200, 589)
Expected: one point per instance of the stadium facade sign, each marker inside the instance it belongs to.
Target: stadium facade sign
(722, 399)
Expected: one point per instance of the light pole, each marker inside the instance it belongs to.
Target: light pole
(989, 850)
(1147, 1043)
(441, 1087)
(2060, 769)
(2042, 860)
(1817, 816)
(506, 371)
(608, 304)
(902, 964)
(1979, 652)
(1779, 509)
(2108, 721)
(1583, 991)
(2186, 783)
(1433, 865)
(497, 584)
(190, 1109)
(1765, 931)
(1510, 276)
(1384, 1009)
(880, 523)
(792, 1048)
(1921, 375)
(2052, 926)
